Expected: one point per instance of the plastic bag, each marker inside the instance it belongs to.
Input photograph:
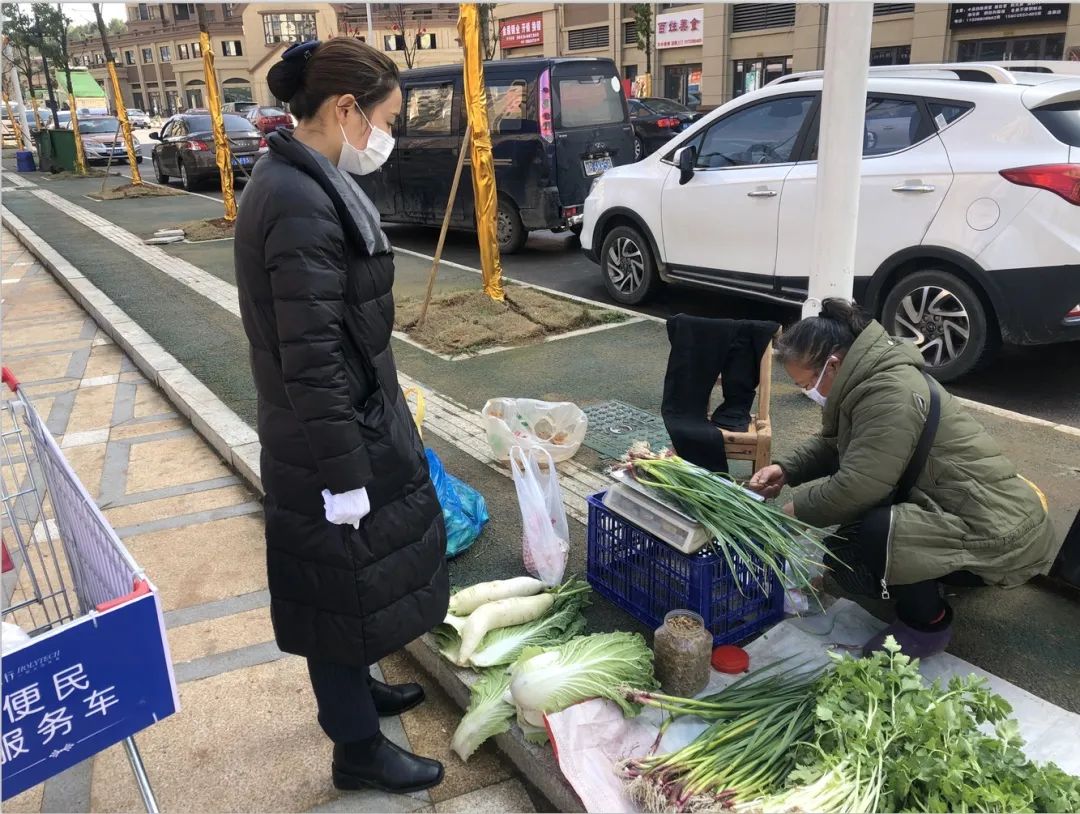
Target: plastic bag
(557, 427)
(545, 540)
(464, 509)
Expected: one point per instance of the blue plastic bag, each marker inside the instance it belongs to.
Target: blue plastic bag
(464, 509)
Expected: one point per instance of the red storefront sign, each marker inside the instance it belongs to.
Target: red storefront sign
(518, 32)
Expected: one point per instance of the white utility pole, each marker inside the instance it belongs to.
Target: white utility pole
(15, 94)
(840, 145)
(370, 26)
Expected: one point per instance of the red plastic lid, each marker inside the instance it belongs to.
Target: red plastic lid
(727, 658)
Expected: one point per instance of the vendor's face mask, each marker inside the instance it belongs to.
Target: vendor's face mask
(363, 162)
(813, 393)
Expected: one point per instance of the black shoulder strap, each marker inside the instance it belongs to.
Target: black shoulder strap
(922, 448)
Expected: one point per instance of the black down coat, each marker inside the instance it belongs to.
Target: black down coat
(315, 276)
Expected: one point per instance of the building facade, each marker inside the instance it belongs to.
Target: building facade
(708, 53)
(702, 54)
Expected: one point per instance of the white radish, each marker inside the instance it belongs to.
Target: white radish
(504, 613)
(456, 622)
(469, 599)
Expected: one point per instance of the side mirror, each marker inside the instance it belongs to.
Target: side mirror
(686, 158)
(155, 136)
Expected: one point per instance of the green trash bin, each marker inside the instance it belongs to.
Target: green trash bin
(56, 150)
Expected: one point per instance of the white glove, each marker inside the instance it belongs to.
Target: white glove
(348, 508)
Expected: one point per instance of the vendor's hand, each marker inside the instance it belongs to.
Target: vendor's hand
(789, 509)
(768, 481)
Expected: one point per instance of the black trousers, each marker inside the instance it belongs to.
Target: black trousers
(343, 693)
(862, 548)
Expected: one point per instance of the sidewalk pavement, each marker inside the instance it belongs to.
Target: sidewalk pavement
(246, 738)
(176, 307)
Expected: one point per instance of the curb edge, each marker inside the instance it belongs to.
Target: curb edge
(222, 428)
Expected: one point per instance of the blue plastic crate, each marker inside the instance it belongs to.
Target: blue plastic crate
(647, 578)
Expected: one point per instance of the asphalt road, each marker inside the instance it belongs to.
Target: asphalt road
(1038, 381)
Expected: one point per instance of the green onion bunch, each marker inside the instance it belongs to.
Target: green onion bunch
(743, 527)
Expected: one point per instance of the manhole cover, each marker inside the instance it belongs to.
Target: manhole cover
(614, 427)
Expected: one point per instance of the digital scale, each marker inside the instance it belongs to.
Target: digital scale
(653, 514)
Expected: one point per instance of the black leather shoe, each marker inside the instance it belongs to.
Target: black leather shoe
(383, 765)
(395, 699)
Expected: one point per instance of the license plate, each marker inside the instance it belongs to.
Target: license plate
(243, 160)
(597, 166)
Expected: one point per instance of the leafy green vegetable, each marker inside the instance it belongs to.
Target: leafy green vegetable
(488, 714)
(597, 666)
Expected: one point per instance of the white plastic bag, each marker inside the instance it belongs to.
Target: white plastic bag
(557, 427)
(545, 538)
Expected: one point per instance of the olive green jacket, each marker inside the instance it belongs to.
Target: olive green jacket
(969, 510)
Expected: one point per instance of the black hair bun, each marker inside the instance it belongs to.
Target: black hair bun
(285, 79)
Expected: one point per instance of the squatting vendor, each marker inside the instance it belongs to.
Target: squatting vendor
(921, 493)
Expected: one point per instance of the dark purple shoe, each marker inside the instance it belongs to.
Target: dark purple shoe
(918, 644)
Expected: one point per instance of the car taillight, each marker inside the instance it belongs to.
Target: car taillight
(668, 123)
(1061, 179)
(262, 143)
(571, 211)
(1074, 313)
(547, 124)
(197, 146)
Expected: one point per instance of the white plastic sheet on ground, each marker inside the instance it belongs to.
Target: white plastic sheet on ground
(591, 738)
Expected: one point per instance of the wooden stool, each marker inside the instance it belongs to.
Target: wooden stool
(756, 443)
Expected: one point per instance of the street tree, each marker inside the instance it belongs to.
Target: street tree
(31, 42)
(118, 99)
(410, 35)
(643, 25)
(55, 19)
(489, 29)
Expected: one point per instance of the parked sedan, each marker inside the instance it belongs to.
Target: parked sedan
(656, 121)
(138, 118)
(186, 148)
(268, 120)
(102, 139)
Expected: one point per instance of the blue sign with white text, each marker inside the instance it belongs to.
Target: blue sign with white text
(76, 691)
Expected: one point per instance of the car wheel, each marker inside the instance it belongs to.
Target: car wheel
(162, 178)
(186, 180)
(509, 229)
(639, 148)
(626, 261)
(944, 318)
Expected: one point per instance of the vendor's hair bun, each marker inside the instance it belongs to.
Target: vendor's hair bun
(845, 312)
(285, 79)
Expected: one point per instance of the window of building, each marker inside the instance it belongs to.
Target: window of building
(146, 12)
(147, 55)
(756, 16)
(584, 39)
(426, 42)
(165, 53)
(182, 51)
(895, 55)
(227, 10)
(760, 134)
(885, 9)
(393, 42)
(137, 98)
(184, 11)
(753, 74)
(428, 111)
(292, 27)
(129, 57)
(629, 33)
(232, 48)
(196, 50)
(1049, 46)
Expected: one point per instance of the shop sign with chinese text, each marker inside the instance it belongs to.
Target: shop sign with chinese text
(519, 32)
(77, 690)
(680, 28)
(967, 15)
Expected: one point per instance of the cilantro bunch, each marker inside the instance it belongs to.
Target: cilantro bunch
(885, 741)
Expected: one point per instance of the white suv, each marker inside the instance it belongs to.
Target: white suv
(969, 222)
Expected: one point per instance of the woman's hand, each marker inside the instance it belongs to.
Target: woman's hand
(768, 481)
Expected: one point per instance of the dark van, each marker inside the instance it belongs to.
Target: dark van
(556, 124)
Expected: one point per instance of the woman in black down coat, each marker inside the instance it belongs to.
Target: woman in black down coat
(354, 533)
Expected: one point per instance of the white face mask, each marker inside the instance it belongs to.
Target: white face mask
(813, 393)
(363, 162)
